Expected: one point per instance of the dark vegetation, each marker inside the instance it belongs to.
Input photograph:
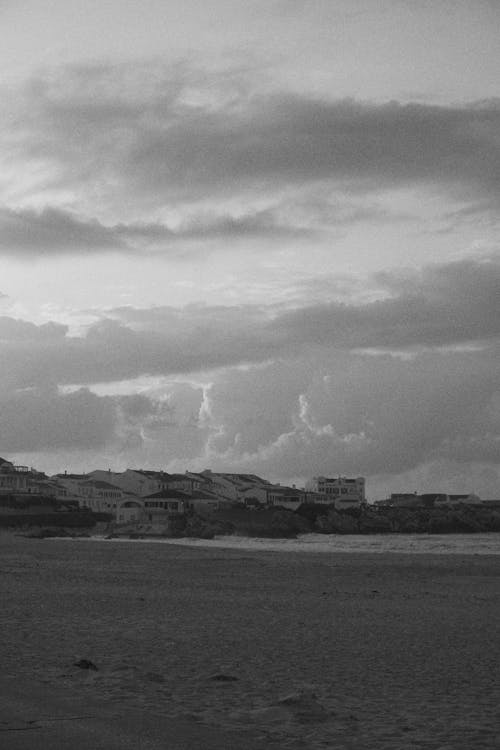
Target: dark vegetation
(45, 517)
(281, 523)
(441, 520)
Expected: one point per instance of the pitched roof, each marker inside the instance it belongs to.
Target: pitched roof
(151, 474)
(168, 493)
(71, 476)
(279, 488)
(240, 478)
(102, 485)
(203, 495)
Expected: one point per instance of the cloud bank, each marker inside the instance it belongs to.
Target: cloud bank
(379, 388)
(109, 154)
(157, 161)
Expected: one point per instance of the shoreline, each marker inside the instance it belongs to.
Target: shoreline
(485, 543)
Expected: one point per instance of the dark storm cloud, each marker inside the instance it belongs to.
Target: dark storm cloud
(304, 402)
(207, 226)
(43, 419)
(169, 140)
(364, 414)
(284, 139)
(14, 330)
(443, 305)
(52, 231)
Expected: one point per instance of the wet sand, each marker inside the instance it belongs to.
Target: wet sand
(298, 650)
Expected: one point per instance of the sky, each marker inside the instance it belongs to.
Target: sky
(253, 236)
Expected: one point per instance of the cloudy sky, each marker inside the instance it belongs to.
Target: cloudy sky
(252, 235)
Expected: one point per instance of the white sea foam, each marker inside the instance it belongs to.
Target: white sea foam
(445, 544)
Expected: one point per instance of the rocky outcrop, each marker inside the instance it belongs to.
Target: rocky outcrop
(304, 707)
(86, 664)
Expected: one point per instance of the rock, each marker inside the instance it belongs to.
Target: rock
(220, 677)
(277, 715)
(154, 677)
(305, 706)
(86, 664)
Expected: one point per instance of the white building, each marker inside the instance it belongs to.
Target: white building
(236, 487)
(101, 496)
(139, 482)
(14, 479)
(343, 492)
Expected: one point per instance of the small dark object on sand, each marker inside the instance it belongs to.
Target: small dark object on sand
(219, 677)
(85, 664)
(305, 707)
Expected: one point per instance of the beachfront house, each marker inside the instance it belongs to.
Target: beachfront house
(101, 496)
(138, 482)
(159, 506)
(285, 497)
(236, 488)
(343, 492)
(13, 479)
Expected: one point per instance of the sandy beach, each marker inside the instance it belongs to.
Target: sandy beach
(301, 650)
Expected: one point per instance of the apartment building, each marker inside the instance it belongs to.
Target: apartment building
(343, 492)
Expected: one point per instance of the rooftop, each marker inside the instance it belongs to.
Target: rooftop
(169, 492)
(150, 473)
(102, 485)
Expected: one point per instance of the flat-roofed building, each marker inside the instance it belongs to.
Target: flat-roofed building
(343, 492)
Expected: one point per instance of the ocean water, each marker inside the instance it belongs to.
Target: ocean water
(443, 544)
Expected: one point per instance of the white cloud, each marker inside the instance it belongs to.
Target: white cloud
(307, 400)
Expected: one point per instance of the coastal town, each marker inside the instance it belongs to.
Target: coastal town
(145, 496)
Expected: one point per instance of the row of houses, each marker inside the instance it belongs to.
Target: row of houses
(149, 495)
(127, 494)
